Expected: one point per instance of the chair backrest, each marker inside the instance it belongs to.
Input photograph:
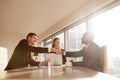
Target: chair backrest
(103, 59)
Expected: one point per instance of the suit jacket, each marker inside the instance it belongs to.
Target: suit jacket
(91, 57)
(22, 55)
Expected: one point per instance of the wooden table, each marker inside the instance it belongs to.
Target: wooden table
(56, 73)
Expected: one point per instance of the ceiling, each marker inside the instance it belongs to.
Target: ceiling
(24, 16)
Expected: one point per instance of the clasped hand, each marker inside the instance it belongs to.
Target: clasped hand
(56, 51)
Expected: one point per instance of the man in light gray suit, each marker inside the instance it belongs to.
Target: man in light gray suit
(91, 53)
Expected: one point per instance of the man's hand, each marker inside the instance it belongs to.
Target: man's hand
(56, 51)
(52, 49)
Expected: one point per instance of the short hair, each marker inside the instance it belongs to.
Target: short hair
(89, 36)
(31, 34)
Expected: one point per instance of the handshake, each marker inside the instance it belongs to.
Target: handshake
(56, 50)
(52, 50)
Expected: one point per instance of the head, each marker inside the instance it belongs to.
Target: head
(87, 38)
(56, 42)
(32, 38)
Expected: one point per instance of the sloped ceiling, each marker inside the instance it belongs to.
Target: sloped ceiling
(24, 16)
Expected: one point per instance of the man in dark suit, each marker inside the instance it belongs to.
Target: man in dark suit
(22, 54)
(90, 53)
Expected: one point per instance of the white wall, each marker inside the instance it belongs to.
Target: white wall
(9, 41)
(3, 58)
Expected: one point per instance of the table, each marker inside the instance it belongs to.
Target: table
(56, 73)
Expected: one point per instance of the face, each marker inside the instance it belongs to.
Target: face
(87, 38)
(32, 39)
(83, 40)
(57, 43)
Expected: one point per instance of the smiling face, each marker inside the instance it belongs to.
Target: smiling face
(32, 39)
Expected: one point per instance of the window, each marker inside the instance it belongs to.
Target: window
(47, 42)
(3, 58)
(74, 36)
(106, 30)
(41, 43)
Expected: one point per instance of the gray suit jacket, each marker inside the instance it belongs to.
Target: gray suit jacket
(91, 57)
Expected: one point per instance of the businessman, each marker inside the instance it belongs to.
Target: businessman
(91, 53)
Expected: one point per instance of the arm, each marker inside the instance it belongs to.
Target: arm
(75, 54)
(25, 46)
(38, 49)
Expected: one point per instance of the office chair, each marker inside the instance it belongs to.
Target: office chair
(103, 59)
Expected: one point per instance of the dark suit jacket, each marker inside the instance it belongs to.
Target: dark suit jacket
(91, 57)
(21, 56)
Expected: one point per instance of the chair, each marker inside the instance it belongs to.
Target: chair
(103, 59)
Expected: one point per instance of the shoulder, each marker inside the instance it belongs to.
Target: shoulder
(23, 41)
(94, 46)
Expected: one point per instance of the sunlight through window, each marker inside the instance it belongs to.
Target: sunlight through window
(3, 58)
(106, 30)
